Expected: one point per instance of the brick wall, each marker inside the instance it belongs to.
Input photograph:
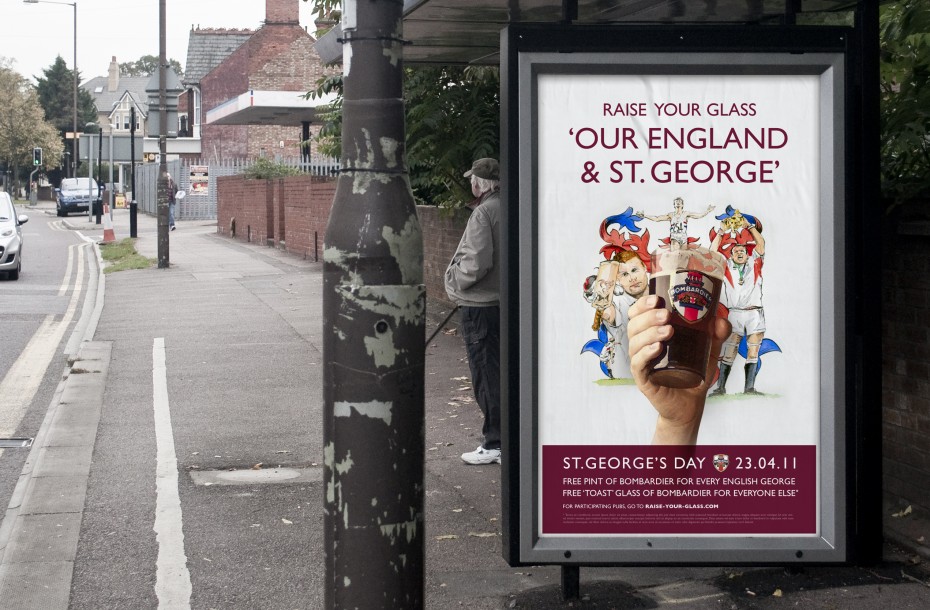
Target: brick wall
(293, 210)
(906, 364)
(281, 11)
(277, 214)
(227, 80)
(298, 207)
(246, 203)
(278, 57)
(441, 235)
(306, 201)
(289, 62)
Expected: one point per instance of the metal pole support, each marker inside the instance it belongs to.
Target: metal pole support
(133, 208)
(374, 308)
(33, 196)
(571, 582)
(133, 222)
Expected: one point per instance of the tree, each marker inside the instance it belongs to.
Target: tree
(453, 118)
(326, 14)
(147, 65)
(23, 125)
(905, 103)
(56, 94)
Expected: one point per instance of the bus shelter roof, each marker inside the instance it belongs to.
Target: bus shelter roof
(468, 31)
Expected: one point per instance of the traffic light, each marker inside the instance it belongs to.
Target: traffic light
(37, 156)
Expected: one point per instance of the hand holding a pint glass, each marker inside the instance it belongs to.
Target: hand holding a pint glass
(675, 338)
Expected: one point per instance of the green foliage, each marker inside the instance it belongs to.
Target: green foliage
(453, 118)
(265, 168)
(326, 14)
(23, 125)
(905, 103)
(147, 65)
(122, 255)
(56, 95)
(324, 8)
(329, 136)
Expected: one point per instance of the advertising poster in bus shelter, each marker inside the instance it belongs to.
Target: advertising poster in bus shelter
(631, 166)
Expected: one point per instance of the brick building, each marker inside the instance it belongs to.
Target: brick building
(271, 69)
(206, 49)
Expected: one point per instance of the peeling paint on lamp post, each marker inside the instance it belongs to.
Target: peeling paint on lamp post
(164, 257)
(374, 304)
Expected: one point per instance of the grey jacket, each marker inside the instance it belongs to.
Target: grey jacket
(473, 276)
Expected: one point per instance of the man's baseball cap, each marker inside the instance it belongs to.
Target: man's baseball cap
(488, 169)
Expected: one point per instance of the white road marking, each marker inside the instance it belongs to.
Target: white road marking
(93, 303)
(172, 579)
(67, 279)
(22, 380)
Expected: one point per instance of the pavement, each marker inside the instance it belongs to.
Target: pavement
(239, 327)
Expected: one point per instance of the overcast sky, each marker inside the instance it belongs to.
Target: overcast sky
(34, 34)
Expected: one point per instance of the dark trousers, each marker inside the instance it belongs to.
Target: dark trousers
(482, 335)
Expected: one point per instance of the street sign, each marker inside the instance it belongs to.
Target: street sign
(122, 146)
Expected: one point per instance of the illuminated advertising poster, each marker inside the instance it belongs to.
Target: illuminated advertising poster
(704, 191)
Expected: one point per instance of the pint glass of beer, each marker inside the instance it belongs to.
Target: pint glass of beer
(689, 282)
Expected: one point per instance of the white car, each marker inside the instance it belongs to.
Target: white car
(11, 238)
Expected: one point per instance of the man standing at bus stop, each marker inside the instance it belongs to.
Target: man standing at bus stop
(473, 283)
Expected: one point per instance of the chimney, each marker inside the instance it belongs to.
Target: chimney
(282, 11)
(113, 76)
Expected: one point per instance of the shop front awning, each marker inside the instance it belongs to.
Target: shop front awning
(255, 107)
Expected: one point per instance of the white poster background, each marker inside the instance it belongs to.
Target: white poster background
(573, 408)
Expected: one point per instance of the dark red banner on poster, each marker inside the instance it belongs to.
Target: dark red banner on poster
(659, 489)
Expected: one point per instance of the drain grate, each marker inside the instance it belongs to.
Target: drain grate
(251, 476)
(15, 443)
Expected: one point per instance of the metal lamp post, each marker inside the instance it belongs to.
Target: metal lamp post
(164, 259)
(90, 174)
(74, 142)
(374, 304)
(110, 183)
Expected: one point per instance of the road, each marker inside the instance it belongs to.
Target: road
(189, 382)
(39, 313)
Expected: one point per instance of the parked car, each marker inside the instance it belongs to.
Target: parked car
(76, 194)
(11, 238)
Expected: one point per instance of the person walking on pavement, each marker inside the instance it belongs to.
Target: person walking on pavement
(472, 282)
(172, 190)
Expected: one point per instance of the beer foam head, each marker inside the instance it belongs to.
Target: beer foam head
(692, 258)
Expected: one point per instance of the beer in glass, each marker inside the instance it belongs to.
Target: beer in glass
(688, 281)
